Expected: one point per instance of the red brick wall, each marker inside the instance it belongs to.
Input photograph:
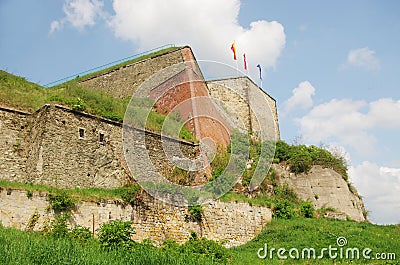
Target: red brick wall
(188, 94)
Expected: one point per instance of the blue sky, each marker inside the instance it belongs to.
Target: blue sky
(332, 66)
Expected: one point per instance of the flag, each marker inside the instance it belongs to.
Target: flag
(259, 68)
(233, 48)
(244, 61)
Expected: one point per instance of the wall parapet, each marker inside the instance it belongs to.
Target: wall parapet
(16, 111)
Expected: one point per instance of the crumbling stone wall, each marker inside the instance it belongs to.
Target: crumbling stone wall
(60, 147)
(72, 149)
(233, 223)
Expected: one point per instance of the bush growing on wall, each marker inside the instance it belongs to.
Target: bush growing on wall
(301, 158)
(196, 212)
(129, 194)
(60, 202)
(59, 226)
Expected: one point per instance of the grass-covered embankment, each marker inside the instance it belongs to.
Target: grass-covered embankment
(17, 247)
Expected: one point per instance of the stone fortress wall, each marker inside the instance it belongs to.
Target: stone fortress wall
(64, 148)
(253, 106)
(231, 223)
(13, 161)
(60, 147)
(123, 82)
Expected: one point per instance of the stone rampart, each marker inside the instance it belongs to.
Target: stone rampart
(248, 103)
(64, 148)
(12, 156)
(231, 223)
(122, 82)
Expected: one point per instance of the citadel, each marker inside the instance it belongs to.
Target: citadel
(67, 148)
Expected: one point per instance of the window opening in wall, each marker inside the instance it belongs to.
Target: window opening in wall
(101, 137)
(81, 133)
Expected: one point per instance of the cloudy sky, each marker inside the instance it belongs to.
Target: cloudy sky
(332, 66)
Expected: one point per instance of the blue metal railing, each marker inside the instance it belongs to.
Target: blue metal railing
(102, 67)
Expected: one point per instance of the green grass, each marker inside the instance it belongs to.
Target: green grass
(108, 69)
(78, 194)
(18, 93)
(320, 233)
(17, 247)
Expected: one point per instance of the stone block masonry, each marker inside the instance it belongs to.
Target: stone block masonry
(249, 103)
(63, 148)
(12, 157)
(231, 223)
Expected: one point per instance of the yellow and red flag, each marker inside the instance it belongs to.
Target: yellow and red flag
(233, 48)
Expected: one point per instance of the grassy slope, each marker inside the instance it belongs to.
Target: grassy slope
(17, 247)
(320, 233)
(17, 92)
(153, 54)
(78, 194)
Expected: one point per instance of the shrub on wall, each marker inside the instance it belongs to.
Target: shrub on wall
(59, 226)
(129, 194)
(301, 158)
(60, 202)
(196, 212)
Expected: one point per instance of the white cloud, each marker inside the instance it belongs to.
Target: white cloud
(380, 187)
(385, 112)
(301, 97)
(350, 123)
(54, 26)
(79, 13)
(209, 28)
(363, 58)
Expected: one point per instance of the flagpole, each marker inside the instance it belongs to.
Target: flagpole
(259, 68)
(245, 64)
(237, 69)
